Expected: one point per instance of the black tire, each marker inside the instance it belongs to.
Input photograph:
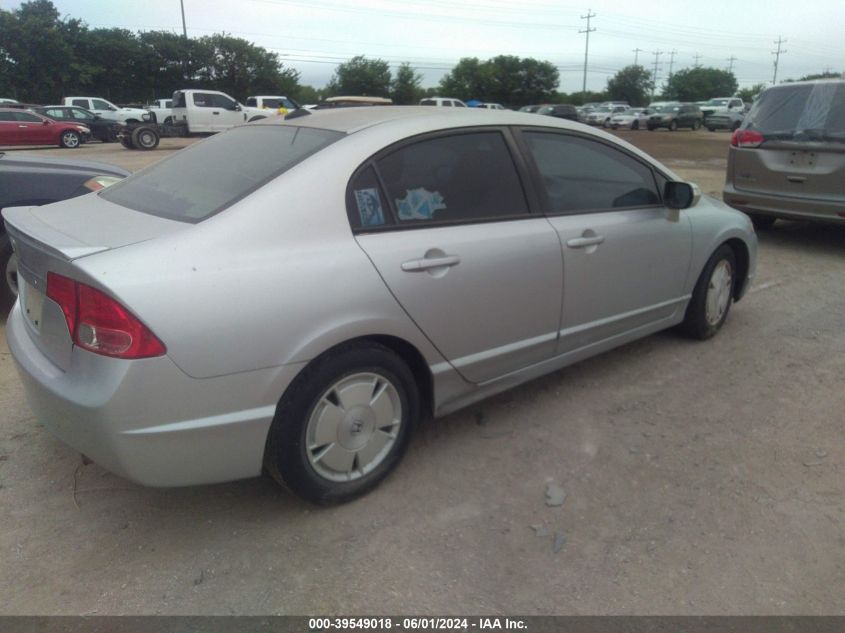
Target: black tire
(9, 290)
(673, 125)
(712, 129)
(287, 454)
(145, 137)
(650, 127)
(696, 124)
(635, 125)
(70, 139)
(696, 323)
(126, 141)
(761, 222)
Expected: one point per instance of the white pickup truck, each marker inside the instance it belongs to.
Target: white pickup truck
(211, 111)
(107, 110)
(162, 109)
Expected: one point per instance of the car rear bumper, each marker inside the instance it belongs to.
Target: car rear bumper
(786, 207)
(146, 420)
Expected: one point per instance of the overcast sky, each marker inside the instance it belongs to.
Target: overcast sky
(313, 36)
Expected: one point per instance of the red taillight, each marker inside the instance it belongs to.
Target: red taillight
(100, 324)
(747, 138)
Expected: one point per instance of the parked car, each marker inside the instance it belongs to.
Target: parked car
(632, 119)
(722, 105)
(352, 101)
(363, 314)
(162, 111)
(105, 130)
(787, 159)
(491, 106)
(278, 104)
(35, 180)
(673, 116)
(203, 111)
(603, 114)
(730, 120)
(108, 110)
(24, 127)
(531, 109)
(560, 110)
(445, 102)
(4, 101)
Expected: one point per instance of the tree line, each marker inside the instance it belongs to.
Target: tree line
(44, 57)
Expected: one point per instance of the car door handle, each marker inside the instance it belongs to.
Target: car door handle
(581, 242)
(215, 113)
(23, 126)
(798, 179)
(418, 265)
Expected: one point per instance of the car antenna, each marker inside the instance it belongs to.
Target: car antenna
(297, 113)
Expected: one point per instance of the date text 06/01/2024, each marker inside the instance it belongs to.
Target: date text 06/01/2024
(415, 624)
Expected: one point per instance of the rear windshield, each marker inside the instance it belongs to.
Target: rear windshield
(806, 111)
(205, 178)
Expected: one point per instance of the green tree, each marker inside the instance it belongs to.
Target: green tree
(361, 77)
(405, 89)
(697, 84)
(505, 79)
(306, 95)
(632, 84)
(748, 94)
(469, 79)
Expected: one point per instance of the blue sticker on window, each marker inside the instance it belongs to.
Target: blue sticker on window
(419, 204)
(369, 207)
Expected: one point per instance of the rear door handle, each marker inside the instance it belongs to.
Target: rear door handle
(798, 179)
(215, 113)
(581, 242)
(418, 265)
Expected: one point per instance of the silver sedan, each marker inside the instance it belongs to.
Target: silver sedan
(296, 295)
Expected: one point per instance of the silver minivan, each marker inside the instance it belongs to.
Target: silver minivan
(787, 160)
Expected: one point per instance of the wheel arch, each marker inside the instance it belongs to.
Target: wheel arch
(743, 258)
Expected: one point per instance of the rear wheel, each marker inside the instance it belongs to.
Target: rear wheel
(673, 125)
(343, 424)
(126, 141)
(713, 294)
(635, 125)
(145, 138)
(70, 139)
(696, 124)
(712, 129)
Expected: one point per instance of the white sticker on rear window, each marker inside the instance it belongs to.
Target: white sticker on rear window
(419, 204)
(369, 207)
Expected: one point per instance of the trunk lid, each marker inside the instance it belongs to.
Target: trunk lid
(50, 238)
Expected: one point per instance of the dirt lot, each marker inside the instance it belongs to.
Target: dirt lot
(700, 478)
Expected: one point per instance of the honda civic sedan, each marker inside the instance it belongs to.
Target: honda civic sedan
(295, 295)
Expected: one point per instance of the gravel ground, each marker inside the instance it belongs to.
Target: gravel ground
(699, 478)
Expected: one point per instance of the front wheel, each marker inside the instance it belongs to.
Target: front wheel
(145, 138)
(673, 125)
(635, 125)
(696, 125)
(343, 424)
(713, 295)
(70, 139)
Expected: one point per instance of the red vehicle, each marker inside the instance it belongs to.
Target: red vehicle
(21, 127)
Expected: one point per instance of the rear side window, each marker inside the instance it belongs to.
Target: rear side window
(203, 100)
(808, 109)
(207, 177)
(25, 117)
(178, 99)
(81, 103)
(252, 102)
(583, 175)
(428, 102)
(7, 116)
(459, 178)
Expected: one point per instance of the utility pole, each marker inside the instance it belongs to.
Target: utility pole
(731, 61)
(588, 30)
(777, 55)
(672, 54)
(185, 35)
(697, 57)
(637, 52)
(657, 55)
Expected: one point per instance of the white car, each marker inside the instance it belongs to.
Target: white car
(162, 109)
(632, 119)
(492, 106)
(107, 110)
(4, 100)
(443, 102)
(603, 114)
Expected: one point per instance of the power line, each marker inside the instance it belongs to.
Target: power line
(777, 55)
(588, 30)
(731, 61)
(672, 54)
(697, 57)
(637, 52)
(657, 55)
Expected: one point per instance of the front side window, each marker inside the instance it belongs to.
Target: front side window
(26, 117)
(203, 100)
(584, 175)
(205, 178)
(458, 178)
(102, 105)
(55, 113)
(220, 101)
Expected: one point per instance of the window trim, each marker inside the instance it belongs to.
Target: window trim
(533, 209)
(537, 179)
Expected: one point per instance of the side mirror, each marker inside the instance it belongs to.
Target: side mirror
(45, 122)
(238, 107)
(681, 195)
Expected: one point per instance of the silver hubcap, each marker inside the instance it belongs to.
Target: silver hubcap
(353, 427)
(147, 139)
(12, 274)
(719, 292)
(71, 140)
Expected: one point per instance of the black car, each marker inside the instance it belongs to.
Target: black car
(560, 110)
(34, 180)
(101, 129)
